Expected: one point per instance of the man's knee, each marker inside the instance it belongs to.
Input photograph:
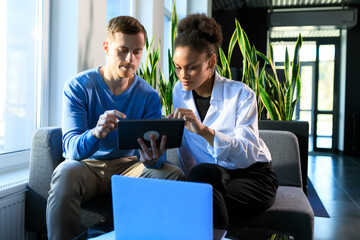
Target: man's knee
(68, 175)
(167, 171)
(174, 172)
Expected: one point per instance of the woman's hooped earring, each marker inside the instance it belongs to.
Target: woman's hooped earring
(212, 71)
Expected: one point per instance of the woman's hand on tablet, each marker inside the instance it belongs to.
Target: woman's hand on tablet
(193, 124)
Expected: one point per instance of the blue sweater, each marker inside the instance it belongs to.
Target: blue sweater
(86, 97)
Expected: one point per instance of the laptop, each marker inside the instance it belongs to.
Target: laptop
(161, 209)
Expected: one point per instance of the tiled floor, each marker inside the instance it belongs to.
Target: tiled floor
(336, 179)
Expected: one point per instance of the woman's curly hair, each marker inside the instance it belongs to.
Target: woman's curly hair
(200, 33)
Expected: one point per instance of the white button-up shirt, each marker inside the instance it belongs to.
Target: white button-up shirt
(233, 116)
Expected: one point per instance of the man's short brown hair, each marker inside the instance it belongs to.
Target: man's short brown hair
(124, 24)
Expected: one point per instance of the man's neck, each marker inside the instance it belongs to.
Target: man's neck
(116, 85)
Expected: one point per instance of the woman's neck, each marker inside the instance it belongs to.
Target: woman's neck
(205, 89)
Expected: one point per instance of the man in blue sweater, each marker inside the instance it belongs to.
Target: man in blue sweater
(93, 101)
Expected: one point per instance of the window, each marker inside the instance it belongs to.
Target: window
(318, 71)
(20, 71)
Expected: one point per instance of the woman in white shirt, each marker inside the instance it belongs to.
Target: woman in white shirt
(221, 143)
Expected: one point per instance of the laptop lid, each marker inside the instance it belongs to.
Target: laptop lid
(161, 209)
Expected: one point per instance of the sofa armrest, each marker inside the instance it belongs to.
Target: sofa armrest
(285, 154)
(45, 155)
(301, 131)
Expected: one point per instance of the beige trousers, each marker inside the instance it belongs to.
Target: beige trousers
(74, 182)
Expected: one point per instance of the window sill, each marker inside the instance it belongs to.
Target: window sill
(10, 161)
(14, 180)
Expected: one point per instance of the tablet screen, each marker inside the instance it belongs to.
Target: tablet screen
(130, 130)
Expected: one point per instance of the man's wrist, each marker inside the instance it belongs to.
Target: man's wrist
(94, 134)
(153, 165)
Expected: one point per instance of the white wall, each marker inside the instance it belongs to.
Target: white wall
(151, 14)
(76, 34)
(91, 34)
(63, 52)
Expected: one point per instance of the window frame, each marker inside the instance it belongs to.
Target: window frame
(21, 157)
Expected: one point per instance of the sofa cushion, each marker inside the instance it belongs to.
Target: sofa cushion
(291, 213)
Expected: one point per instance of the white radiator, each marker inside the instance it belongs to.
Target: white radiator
(12, 216)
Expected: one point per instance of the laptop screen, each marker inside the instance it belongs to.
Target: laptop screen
(161, 209)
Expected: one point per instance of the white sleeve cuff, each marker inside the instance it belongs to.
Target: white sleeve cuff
(221, 148)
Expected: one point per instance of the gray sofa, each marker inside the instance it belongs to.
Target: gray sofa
(291, 212)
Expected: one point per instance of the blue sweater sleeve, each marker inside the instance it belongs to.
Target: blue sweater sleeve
(78, 142)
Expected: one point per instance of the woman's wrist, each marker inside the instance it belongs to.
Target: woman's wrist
(208, 134)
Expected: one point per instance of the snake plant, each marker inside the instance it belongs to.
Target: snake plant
(275, 98)
(280, 98)
(149, 72)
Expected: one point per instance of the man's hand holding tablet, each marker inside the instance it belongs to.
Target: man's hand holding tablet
(149, 156)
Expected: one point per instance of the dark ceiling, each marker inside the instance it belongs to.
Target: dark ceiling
(218, 5)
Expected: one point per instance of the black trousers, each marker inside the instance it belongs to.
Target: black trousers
(239, 193)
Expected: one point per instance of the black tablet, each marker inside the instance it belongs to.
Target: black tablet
(130, 130)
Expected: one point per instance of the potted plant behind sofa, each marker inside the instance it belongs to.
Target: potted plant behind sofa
(277, 96)
(273, 95)
(224, 70)
(252, 75)
(149, 72)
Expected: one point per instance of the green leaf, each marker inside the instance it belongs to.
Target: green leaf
(244, 79)
(298, 92)
(174, 22)
(233, 41)
(263, 57)
(288, 100)
(240, 38)
(271, 108)
(295, 79)
(225, 65)
(262, 77)
(247, 42)
(287, 68)
(271, 54)
(146, 42)
(219, 70)
(276, 85)
(253, 56)
(148, 52)
(296, 60)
